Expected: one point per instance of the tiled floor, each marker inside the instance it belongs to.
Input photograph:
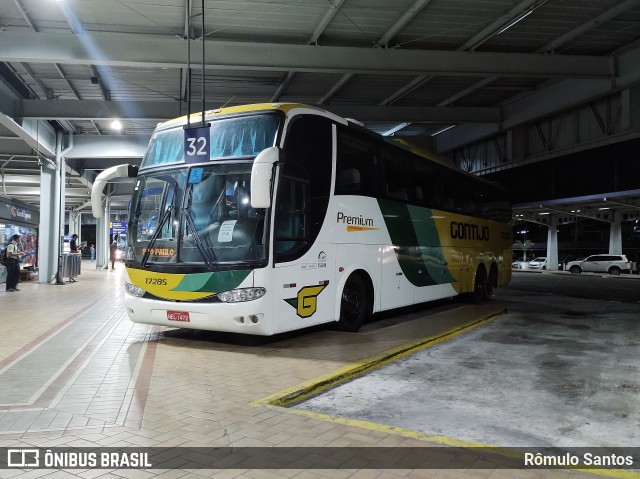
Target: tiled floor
(75, 372)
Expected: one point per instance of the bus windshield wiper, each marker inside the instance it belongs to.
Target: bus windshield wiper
(156, 234)
(204, 252)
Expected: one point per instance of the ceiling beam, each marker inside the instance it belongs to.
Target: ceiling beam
(99, 110)
(384, 40)
(35, 191)
(605, 16)
(108, 146)
(553, 99)
(23, 12)
(553, 45)
(326, 20)
(470, 45)
(402, 22)
(517, 13)
(328, 16)
(168, 52)
(43, 141)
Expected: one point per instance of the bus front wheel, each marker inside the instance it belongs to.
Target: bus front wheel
(353, 304)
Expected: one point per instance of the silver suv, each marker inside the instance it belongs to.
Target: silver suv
(601, 263)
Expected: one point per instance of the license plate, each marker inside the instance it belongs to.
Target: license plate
(178, 316)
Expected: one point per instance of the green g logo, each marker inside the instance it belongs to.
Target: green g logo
(306, 303)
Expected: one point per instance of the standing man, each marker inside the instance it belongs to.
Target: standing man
(13, 263)
(113, 249)
(73, 244)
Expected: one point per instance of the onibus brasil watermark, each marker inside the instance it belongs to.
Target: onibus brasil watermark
(320, 458)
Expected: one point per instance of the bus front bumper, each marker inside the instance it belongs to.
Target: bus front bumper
(250, 317)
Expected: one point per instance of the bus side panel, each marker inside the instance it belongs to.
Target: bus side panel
(412, 266)
(418, 253)
(439, 252)
(469, 242)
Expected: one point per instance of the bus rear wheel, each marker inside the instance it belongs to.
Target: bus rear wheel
(353, 304)
(491, 282)
(479, 287)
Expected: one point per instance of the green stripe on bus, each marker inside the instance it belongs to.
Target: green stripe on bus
(212, 282)
(413, 232)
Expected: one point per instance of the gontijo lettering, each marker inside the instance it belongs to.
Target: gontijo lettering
(469, 231)
(353, 220)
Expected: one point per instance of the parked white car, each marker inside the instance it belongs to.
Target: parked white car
(538, 263)
(601, 263)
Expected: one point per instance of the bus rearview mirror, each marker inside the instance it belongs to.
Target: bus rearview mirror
(261, 172)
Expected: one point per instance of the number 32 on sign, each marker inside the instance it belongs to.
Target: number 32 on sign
(196, 144)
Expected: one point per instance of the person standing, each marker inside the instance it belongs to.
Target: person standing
(73, 244)
(13, 263)
(92, 250)
(113, 248)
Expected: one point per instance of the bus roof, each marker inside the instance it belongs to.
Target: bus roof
(196, 117)
(287, 107)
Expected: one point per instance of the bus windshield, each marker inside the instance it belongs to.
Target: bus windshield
(201, 215)
(229, 138)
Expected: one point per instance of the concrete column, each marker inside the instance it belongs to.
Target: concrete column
(615, 234)
(75, 220)
(552, 244)
(100, 261)
(102, 238)
(48, 227)
(74, 223)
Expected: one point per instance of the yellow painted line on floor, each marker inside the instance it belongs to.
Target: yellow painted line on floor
(287, 397)
(314, 386)
(448, 441)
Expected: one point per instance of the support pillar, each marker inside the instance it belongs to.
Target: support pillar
(615, 234)
(552, 244)
(49, 226)
(75, 220)
(102, 237)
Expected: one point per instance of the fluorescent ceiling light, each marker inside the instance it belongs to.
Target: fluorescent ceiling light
(517, 19)
(116, 125)
(442, 130)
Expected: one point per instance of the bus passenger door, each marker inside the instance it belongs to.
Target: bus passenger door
(304, 264)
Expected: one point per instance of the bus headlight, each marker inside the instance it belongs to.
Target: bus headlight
(134, 290)
(243, 294)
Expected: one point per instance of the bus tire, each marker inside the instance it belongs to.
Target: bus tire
(354, 304)
(479, 286)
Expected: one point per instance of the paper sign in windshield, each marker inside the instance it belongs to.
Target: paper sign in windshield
(225, 234)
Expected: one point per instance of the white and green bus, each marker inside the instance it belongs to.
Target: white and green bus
(292, 217)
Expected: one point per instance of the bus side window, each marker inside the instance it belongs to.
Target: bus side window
(397, 170)
(356, 165)
(349, 180)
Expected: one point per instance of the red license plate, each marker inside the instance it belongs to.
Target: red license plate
(178, 316)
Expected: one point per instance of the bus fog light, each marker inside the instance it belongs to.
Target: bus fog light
(242, 294)
(254, 319)
(134, 290)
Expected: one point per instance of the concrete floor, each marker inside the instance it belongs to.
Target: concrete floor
(75, 372)
(554, 371)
